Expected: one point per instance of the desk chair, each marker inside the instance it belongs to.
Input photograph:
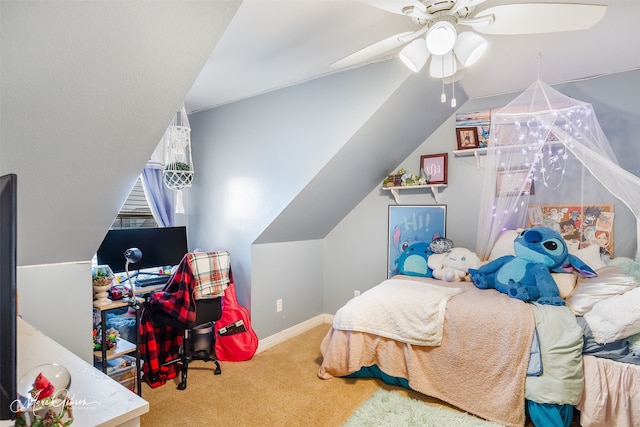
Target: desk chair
(170, 317)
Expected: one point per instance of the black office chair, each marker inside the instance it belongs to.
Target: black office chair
(198, 336)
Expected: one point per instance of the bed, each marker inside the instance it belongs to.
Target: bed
(490, 355)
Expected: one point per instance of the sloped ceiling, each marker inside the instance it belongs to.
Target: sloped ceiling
(271, 44)
(88, 89)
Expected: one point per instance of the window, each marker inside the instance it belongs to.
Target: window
(136, 211)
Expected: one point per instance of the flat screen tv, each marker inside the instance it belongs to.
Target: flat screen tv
(161, 246)
(8, 311)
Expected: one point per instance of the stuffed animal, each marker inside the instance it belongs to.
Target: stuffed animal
(413, 261)
(440, 245)
(527, 275)
(453, 266)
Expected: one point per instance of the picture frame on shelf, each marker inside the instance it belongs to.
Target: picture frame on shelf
(513, 181)
(412, 224)
(434, 167)
(467, 138)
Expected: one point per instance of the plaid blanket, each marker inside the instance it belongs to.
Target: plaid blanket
(211, 271)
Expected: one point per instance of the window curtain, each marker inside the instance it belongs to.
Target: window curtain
(159, 197)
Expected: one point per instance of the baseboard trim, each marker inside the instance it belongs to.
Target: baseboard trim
(293, 331)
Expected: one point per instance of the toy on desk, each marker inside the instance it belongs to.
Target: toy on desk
(112, 338)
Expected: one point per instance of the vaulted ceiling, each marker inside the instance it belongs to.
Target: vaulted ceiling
(270, 44)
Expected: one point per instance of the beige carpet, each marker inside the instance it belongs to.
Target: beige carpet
(278, 387)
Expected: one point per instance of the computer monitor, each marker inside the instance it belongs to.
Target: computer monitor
(161, 246)
(8, 259)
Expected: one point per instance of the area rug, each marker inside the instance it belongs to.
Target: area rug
(388, 408)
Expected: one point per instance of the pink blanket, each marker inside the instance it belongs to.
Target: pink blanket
(611, 394)
(480, 367)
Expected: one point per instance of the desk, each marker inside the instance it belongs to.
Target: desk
(97, 399)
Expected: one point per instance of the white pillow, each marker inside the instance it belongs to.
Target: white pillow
(616, 317)
(566, 283)
(504, 245)
(590, 256)
(610, 281)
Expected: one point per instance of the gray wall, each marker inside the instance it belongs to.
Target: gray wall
(355, 251)
(289, 165)
(255, 172)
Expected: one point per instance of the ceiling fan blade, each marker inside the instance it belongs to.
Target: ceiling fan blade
(396, 6)
(458, 5)
(535, 18)
(376, 49)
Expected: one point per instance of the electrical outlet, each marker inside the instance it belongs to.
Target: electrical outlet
(356, 293)
(278, 305)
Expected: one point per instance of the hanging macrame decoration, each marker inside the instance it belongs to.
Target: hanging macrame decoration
(178, 166)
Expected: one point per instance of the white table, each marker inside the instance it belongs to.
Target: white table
(97, 400)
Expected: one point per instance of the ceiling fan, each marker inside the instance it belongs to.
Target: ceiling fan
(451, 51)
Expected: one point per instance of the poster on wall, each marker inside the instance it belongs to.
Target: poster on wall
(579, 225)
(481, 120)
(413, 226)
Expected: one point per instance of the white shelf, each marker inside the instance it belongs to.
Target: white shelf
(122, 347)
(476, 152)
(395, 191)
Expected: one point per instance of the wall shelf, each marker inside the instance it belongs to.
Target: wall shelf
(395, 191)
(476, 152)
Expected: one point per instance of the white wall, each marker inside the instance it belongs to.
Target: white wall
(57, 300)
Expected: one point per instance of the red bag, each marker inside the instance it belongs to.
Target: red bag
(235, 339)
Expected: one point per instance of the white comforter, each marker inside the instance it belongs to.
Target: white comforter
(382, 311)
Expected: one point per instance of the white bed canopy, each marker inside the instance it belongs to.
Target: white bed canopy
(548, 150)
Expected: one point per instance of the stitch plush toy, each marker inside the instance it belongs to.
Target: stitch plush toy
(413, 261)
(452, 266)
(527, 276)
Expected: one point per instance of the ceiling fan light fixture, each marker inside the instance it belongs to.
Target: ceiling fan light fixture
(443, 66)
(415, 54)
(441, 38)
(458, 75)
(469, 47)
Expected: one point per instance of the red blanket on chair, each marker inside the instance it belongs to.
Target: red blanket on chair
(160, 344)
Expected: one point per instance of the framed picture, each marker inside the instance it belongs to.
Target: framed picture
(467, 138)
(481, 120)
(412, 224)
(514, 181)
(434, 167)
(579, 225)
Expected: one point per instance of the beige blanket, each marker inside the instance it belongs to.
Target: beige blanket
(480, 367)
(382, 311)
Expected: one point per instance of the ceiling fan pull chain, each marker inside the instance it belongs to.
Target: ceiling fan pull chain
(443, 97)
(453, 84)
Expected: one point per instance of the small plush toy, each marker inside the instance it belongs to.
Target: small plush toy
(453, 266)
(440, 245)
(527, 275)
(413, 261)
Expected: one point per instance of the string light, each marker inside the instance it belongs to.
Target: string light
(545, 151)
